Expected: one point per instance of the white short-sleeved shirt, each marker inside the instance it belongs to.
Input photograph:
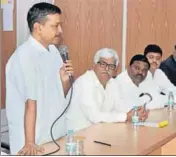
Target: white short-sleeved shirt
(87, 105)
(32, 72)
(162, 81)
(124, 94)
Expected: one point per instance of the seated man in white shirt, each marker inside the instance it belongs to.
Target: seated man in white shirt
(130, 87)
(86, 106)
(154, 56)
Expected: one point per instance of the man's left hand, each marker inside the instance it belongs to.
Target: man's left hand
(143, 113)
(66, 70)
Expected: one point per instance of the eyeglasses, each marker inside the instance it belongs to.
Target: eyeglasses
(104, 65)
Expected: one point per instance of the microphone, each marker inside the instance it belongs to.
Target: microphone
(149, 95)
(63, 49)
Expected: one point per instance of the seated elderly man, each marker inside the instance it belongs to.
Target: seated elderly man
(89, 94)
(154, 55)
(130, 87)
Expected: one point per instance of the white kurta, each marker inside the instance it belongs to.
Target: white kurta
(125, 94)
(162, 81)
(32, 72)
(86, 105)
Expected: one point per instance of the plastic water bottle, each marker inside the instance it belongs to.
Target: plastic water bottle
(135, 117)
(80, 145)
(70, 146)
(170, 101)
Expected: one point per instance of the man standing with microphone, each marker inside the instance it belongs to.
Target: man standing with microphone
(37, 82)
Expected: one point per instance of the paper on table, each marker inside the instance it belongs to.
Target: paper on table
(150, 124)
(8, 19)
(154, 124)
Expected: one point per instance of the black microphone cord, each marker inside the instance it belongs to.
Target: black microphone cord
(71, 79)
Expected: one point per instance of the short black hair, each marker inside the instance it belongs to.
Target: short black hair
(153, 48)
(39, 11)
(140, 57)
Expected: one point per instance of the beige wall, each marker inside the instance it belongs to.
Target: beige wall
(150, 21)
(90, 25)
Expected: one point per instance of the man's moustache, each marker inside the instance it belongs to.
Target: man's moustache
(58, 36)
(139, 75)
(154, 63)
(107, 72)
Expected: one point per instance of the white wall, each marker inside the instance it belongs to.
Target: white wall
(22, 8)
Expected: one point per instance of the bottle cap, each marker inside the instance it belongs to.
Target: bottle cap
(135, 107)
(70, 132)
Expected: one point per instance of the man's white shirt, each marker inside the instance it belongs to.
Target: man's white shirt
(122, 94)
(32, 72)
(87, 102)
(161, 80)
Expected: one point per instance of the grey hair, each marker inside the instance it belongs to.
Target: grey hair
(106, 53)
